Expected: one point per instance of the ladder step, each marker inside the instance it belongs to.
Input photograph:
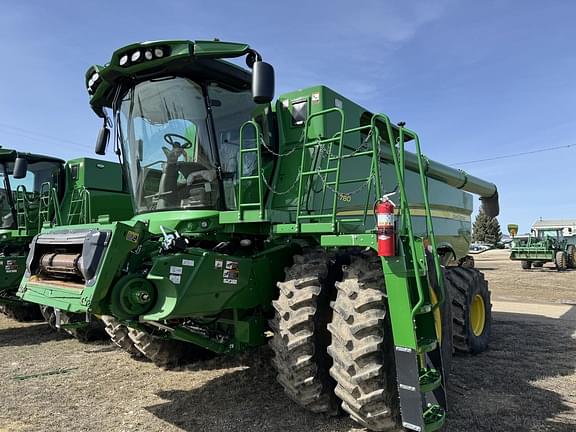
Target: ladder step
(249, 150)
(434, 418)
(253, 204)
(254, 177)
(324, 216)
(320, 171)
(430, 380)
(426, 345)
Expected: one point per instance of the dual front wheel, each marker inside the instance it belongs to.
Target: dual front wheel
(352, 367)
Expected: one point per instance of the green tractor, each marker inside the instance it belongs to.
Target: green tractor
(543, 246)
(259, 222)
(41, 192)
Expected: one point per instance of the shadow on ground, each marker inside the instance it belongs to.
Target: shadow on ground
(517, 385)
(29, 334)
(502, 389)
(245, 399)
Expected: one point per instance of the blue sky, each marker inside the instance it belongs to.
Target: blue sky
(475, 79)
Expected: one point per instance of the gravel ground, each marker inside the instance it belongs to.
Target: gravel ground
(525, 382)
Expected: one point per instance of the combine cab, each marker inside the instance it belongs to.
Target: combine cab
(304, 223)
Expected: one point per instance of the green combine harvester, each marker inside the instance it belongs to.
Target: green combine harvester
(256, 222)
(41, 192)
(545, 246)
(22, 213)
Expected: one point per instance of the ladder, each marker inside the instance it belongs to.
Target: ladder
(48, 208)
(21, 209)
(80, 208)
(247, 207)
(410, 277)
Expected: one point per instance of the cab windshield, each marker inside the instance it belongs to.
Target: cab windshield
(26, 189)
(177, 153)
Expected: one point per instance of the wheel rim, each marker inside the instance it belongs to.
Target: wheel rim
(437, 316)
(477, 315)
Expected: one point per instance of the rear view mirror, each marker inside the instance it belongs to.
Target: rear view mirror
(20, 168)
(262, 82)
(102, 141)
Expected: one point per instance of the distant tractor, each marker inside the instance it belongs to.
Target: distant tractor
(545, 246)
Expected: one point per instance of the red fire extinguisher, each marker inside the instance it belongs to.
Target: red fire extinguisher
(386, 235)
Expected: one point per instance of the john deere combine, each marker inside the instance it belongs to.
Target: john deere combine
(22, 213)
(255, 222)
(39, 193)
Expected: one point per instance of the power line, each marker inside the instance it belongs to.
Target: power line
(35, 135)
(513, 155)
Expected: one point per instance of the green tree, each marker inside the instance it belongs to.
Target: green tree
(486, 229)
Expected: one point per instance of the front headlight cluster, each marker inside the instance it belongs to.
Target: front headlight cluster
(94, 79)
(141, 54)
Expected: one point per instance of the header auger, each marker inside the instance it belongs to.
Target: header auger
(254, 216)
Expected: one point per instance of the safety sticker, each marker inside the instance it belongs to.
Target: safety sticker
(218, 264)
(175, 270)
(188, 263)
(11, 266)
(231, 265)
(175, 279)
(132, 236)
(231, 281)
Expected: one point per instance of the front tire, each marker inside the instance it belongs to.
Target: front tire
(526, 265)
(300, 341)
(471, 309)
(362, 347)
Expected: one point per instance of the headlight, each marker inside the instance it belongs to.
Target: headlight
(136, 56)
(159, 52)
(123, 59)
(148, 55)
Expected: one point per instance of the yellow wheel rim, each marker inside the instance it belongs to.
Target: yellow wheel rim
(437, 316)
(477, 315)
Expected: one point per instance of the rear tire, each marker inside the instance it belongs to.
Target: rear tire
(571, 256)
(119, 335)
(471, 309)
(362, 347)
(526, 265)
(561, 260)
(300, 341)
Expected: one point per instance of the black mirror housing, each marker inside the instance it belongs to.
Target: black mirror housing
(20, 168)
(262, 82)
(102, 141)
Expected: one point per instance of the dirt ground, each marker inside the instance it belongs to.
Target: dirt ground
(525, 382)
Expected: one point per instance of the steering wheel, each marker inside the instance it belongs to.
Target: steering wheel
(177, 141)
